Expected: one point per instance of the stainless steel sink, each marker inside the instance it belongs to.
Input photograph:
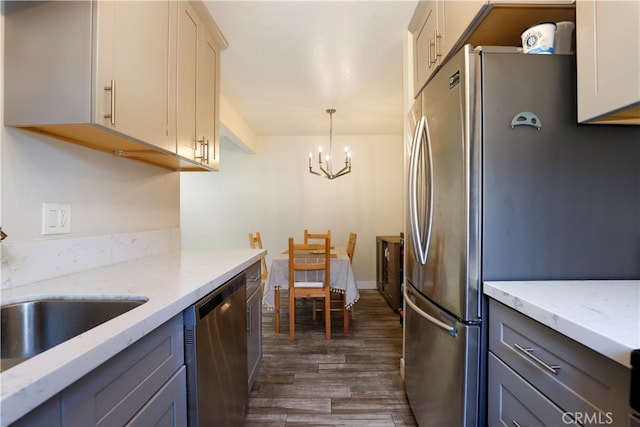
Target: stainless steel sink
(31, 327)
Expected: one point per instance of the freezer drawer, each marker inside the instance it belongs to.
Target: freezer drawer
(442, 365)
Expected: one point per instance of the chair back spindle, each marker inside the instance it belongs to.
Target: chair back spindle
(299, 261)
(311, 236)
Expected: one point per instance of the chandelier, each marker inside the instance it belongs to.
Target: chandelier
(326, 169)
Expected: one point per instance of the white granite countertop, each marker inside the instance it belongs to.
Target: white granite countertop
(603, 315)
(171, 281)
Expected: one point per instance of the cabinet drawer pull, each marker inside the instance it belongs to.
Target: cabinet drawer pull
(112, 113)
(529, 353)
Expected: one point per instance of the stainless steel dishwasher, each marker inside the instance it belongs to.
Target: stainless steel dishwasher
(216, 356)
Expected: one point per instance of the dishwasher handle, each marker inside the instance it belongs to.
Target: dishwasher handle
(218, 297)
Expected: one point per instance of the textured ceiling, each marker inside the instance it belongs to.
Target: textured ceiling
(288, 61)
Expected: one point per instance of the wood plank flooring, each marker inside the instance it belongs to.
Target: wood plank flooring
(350, 380)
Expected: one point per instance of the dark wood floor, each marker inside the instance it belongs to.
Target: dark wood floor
(350, 380)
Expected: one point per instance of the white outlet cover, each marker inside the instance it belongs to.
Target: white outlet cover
(56, 218)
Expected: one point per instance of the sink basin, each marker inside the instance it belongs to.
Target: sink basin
(31, 327)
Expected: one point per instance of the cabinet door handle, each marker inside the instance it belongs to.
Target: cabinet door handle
(204, 147)
(528, 352)
(112, 113)
(433, 59)
(436, 38)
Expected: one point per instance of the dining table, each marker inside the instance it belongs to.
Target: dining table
(342, 278)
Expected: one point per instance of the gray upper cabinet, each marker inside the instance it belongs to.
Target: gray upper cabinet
(440, 28)
(425, 60)
(198, 81)
(132, 70)
(608, 58)
(104, 74)
(437, 26)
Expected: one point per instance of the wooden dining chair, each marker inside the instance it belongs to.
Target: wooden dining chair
(256, 243)
(351, 245)
(306, 289)
(341, 303)
(351, 248)
(307, 239)
(309, 236)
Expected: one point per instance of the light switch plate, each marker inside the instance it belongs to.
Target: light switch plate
(56, 218)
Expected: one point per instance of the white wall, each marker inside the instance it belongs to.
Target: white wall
(107, 194)
(133, 207)
(120, 209)
(272, 192)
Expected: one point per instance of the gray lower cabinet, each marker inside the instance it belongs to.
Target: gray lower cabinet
(254, 322)
(540, 377)
(167, 407)
(514, 402)
(143, 385)
(116, 392)
(45, 415)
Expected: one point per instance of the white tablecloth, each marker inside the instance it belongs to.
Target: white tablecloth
(342, 278)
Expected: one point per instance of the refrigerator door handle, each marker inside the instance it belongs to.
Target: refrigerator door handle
(450, 329)
(414, 223)
(420, 247)
(427, 138)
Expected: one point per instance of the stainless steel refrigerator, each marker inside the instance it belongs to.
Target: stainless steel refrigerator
(503, 184)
